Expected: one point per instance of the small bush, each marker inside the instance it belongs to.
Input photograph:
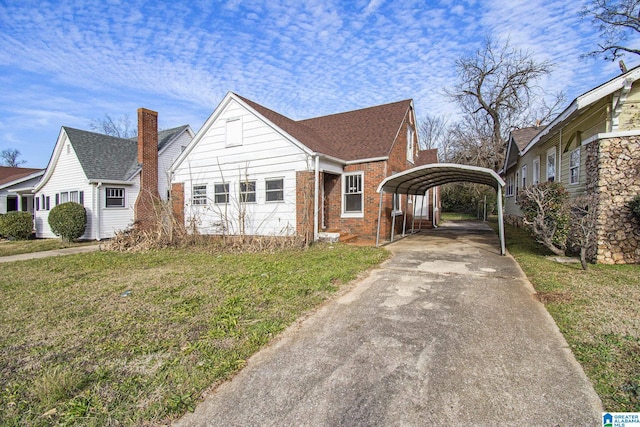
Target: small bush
(17, 225)
(545, 208)
(634, 205)
(68, 221)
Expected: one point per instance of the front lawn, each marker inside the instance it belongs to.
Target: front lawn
(16, 247)
(127, 339)
(598, 312)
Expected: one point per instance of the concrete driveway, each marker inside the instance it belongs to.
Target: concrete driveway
(446, 332)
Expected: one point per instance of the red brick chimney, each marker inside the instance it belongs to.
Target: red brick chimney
(144, 208)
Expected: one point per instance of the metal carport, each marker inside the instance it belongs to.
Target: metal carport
(418, 180)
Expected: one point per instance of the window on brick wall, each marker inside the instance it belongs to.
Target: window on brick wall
(410, 143)
(353, 194)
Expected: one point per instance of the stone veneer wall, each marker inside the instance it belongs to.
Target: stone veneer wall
(613, 175)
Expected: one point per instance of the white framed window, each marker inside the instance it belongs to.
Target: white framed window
(397, 204)
(64, 197)
(248, 192)
(410, 143)
(574, 166)
(199, 194)
(221, 193)
(234, 131)
(353, 194)
(274, 190)
(536, 171)
(509, 190)
(73, 196)
(551, 164)
(114, 197)
(524, 176)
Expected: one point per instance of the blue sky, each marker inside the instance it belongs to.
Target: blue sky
(68, 62)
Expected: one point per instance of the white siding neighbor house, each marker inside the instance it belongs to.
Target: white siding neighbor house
(252, 171)
(102, 173)
(16, 186)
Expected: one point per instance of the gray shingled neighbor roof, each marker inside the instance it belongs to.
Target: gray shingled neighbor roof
(353, 135)
(111, 158)
(523, 136)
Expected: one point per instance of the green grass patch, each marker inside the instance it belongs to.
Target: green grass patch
(17, 247)
(598, 312)
(111, 338)
(457, 216)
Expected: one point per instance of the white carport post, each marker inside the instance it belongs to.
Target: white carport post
(404, 216)
(379, 219)
(393, 219)
(503, 250)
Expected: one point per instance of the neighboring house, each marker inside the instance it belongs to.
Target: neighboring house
(106, 174)
(16, 186)
(253, 171)
(592, 148)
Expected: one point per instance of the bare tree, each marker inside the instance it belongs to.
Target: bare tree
(433, 132)
(619, 24)
(10, 158)
(583, 226)
(121, 126)
(497, 91)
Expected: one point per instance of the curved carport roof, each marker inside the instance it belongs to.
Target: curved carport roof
(418, 180)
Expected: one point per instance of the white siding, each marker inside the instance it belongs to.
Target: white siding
(264, 154)
(67, 175)
(166, 159)
(114, 219)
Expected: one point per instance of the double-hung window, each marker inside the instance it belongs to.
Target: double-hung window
(509, 190)
(551, 164)
(274, 190)
(574, 166)
(536, 171)
(221, 193)
(114, 197)
(248, 192)
(410, 143)
(352, 193)
(524, 176)
(199, 194)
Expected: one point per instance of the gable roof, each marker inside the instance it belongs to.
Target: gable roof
(111, 158)
(352, 135)
(523, 136)
(9, 174)
(108, 158)
(583, 101)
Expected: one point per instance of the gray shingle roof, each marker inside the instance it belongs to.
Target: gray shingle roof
(111, 158)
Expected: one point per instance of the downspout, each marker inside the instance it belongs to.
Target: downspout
(315, 198)
(96, 198)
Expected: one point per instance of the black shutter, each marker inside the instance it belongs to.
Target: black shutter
(57, 199)
(81, 198)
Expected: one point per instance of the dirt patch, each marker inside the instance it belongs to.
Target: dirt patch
(554, 296)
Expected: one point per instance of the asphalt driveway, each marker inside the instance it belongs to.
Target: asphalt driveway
(446, 332)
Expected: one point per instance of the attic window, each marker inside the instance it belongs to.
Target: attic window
(68, 148)
(410, 143)
(234, 132)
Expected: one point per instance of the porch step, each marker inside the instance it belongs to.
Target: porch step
(335, 235)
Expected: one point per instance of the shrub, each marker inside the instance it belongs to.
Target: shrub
(68, 220)
(545, 208)
(17, 225)
(634, 205)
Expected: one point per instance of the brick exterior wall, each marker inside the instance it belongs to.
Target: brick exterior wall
(177, 202)
(613, 176)
(305, 191)
(148, 196)
(374, 173)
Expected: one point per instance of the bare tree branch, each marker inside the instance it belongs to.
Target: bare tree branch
(619, 24)
(121, 126)
(10, 158)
